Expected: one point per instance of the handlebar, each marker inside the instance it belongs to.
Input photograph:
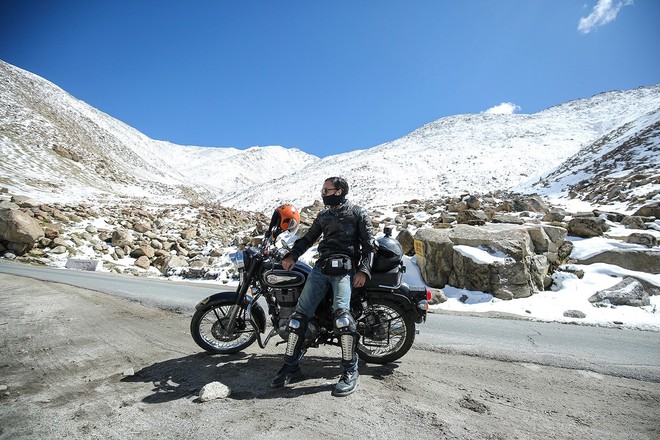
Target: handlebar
(269, 249)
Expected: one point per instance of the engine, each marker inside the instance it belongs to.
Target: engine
(287, 300)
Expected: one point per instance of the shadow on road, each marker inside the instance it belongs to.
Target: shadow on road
(248, 376)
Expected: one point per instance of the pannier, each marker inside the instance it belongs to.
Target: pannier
(390, 279)
(387, 269)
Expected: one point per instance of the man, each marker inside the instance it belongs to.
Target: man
(346, 255)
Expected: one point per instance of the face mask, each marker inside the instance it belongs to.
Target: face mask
(333, 200)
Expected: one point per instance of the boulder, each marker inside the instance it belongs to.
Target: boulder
(498, 259)
(476, 269)
(144, 250)
(143, 262)
(587, 227)
(407, 242)
(51, 233)
(649, 210)
(471, 217)
(548, 241)
(555, 215)
(609, 215)
(119, 252)
(648, 240)
(6, 204)
(171, 263)
(511, 240)
(628, 292)
(508, 218)
(214, 390)
(141, 227)
(17, 226)
(472, 202)
(122, 237)
(634, 222)
(58, 250)
(189, 234)
(533, 204)
(556, 234)
(640, 260)
(434, 251)
(447, 218)
(24, 202)
(437, 296)
(541, 240)
(575, 314)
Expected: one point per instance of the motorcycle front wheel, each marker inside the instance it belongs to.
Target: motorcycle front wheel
(209, 329)
(387, 333)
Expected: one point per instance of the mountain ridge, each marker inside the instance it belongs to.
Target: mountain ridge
(58, 148)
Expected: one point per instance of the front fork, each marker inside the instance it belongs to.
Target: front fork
(240, 299)
(247, 301)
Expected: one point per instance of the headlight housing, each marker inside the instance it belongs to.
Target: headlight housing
(237, 259)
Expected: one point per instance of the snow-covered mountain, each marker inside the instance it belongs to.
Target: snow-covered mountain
(620, 170)
(474, 153)
(55, 147)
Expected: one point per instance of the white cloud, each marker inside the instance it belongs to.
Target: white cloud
(506, 108)
(603, 13)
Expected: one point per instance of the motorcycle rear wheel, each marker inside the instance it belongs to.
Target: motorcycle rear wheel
(390, 341)
(208, 328)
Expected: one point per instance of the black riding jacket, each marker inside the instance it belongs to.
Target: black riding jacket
(346, 230)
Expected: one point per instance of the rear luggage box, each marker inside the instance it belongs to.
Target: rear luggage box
(391, 279)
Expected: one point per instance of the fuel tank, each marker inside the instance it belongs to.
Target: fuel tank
(279, 278)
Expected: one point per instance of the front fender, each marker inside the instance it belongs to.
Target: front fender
(230, 298)
(218, 298)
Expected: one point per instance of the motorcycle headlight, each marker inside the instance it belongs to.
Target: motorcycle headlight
(237, 259)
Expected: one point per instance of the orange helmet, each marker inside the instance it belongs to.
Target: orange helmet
(285, 218)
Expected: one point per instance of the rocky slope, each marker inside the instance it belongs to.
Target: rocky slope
(620, 169)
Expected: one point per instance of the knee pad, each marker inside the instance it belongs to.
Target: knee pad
(344, 322)
(296, 339)
(297, 323)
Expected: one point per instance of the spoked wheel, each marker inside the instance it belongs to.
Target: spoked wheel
(209, 329)
(387, 333)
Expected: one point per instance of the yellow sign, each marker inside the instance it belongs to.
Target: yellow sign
(419, 247)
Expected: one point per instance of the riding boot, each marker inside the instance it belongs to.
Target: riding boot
(287, 374)
(346, 327)
(290, 371)
(349, 361)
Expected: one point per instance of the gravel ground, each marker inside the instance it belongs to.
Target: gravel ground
(82, 365)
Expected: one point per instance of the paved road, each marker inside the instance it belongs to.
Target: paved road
(164, 294)
(619, 352)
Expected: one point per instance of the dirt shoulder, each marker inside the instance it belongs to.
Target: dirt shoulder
(81, 364)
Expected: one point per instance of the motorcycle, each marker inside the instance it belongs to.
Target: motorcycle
(386, 309)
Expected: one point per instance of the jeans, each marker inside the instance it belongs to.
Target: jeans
(317, 286)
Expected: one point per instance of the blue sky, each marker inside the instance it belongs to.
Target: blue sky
(327, 76)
